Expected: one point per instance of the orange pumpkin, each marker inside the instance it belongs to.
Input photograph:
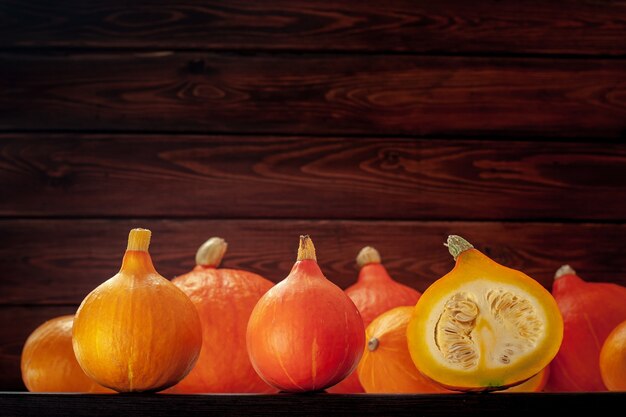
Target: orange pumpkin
(137, 331)
(386, 365)
(374, 293)
(305, 334)
(224, 299)
(590, 310)
(48, 363)
(483, 326)
(613, 359)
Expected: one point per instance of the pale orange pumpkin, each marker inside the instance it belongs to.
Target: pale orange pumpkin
(48, 363)
(224, 299)
(374, 293)
(137, 331)
(386, 365)
(305, 334)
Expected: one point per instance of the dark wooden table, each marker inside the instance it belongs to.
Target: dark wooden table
(316, 404)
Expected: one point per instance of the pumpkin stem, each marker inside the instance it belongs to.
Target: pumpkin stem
(211, 252)
(564, 270)
(367, 255)
(457, 245)
(372, 344)
(139, 240)
(306, 250)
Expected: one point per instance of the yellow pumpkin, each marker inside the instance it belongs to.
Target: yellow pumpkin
(137, 331)
(483, 326)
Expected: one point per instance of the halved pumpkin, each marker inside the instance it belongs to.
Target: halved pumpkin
(483, 326)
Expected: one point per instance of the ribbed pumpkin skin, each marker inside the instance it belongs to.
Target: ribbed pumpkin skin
(386, 366)
(48, 363)
(590, 311)
(137, 331)
(305, 334)
(224, 299)
(374, 293)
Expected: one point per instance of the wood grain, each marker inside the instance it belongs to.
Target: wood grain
(18, 322)
(333, 178)
(310, 404)
(313, 94)
(61, 261)
(446, 26)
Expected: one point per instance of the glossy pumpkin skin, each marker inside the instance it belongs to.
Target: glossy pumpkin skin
(224, 299)
(590, 312)
(305, 334)
(475, 269)
(374, 293)
(613, 359)
(386, 365)
(48, 363)
(137, 331)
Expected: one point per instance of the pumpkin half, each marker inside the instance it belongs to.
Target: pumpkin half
(483, 326)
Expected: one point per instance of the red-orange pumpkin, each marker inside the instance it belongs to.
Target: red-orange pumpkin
(305, 334)
(590, 310)
(374, 293)
(224, 299)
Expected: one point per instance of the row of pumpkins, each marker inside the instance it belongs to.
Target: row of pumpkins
(481, 327)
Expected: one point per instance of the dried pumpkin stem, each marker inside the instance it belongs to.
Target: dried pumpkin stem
(139, 240)
(372, 344)
(564, 270)
(457, 245)
(306, 250)
(367, 255)
(211, 252)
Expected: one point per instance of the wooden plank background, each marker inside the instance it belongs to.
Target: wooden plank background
(391, 124)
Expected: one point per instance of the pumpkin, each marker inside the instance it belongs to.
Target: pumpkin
(483, 326)
(137, 331)
(305, 334)
(48, 363)
(374, 293)
(386, 365)
(224, 299)
(613, 359)
(590, 310)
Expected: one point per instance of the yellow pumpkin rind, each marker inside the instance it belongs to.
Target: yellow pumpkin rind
(472, 264)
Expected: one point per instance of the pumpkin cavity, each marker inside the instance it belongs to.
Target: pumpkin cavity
(500, 321)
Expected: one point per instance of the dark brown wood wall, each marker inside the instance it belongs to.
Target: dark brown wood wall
(389, 123)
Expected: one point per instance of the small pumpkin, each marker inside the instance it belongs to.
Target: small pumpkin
(48, 363)
(590, 310)
(613, 359)
(483, 326)
(374, 293)
(137, 331)
(305, 334)
(224, 298)
(386, 365)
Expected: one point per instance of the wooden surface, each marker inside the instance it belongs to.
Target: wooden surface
(65, 259)
(60, 175)
(25, 404)
(445, 26)
(313, 94)
(392, 124)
